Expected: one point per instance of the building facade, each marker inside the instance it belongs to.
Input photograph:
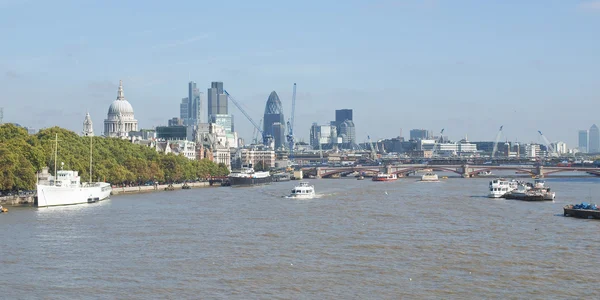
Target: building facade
(347, 132)
(419, 134)
(342, 115)
(324, 136)
(120, 119)
(274, 114)
(594, 139)
(582, 141)
(88, 126)
(217, 100)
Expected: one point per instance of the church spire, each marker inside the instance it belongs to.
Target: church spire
(120, 95)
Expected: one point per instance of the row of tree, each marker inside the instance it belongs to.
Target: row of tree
(114, 160)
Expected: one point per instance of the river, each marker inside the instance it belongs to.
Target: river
(358, 240)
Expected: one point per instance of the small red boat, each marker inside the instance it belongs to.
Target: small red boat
(385, 177)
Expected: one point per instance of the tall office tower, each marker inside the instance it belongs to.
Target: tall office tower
(193, 103)
(594, 139)
(583, 141)
(183, 109)
(342, 115)
(274, 114)
(419, 134)
(217, 101)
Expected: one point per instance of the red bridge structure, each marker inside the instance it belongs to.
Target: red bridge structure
(466, 171)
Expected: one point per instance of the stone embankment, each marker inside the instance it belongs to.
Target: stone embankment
(155, 188)
(30, 199)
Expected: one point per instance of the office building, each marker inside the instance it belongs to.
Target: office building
(183, 109)
(342, 115)
(323, 136)
(347, 132)
(217, 100)
(594, 139)
(274, 114)
(419, 134)
(583, 141)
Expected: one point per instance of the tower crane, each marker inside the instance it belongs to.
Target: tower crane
(496, 141)
(320, 149)
(290, 124)
(437, 141)
(255, 133)
(244, 112)
(373, 152)
(551, 151)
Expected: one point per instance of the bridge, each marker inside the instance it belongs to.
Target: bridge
(465, 170)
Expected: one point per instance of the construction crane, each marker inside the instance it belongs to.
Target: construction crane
(244, 112)
(320, 149)
(255, 133)
(290, 124)
(496, 141)
(549, 147)
(436, 142)
(373, 152)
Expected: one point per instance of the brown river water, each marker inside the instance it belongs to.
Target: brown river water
(357, 240)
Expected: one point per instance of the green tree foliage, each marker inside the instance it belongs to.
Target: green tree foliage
(114, 160)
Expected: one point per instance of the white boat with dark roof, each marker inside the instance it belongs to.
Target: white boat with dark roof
(303, 191)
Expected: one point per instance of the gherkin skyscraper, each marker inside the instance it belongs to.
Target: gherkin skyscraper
(274, 122)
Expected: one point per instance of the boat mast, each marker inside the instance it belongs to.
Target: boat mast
(55, 156)
(90, 180)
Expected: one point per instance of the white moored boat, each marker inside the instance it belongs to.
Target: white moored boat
(303, 191)
(385, 177)
(429, 176)
(65, 188)
(500, 186)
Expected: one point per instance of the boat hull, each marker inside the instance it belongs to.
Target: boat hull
(297, 196)
(526, 197)
(582, 213)
(384, 179)
(56, 196)
(249, 181)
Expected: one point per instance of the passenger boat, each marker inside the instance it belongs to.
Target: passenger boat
(303, 191)
(385, 177)
(526, 192)
(500, 186)
(65, 187)
(430, 177)
(583, 210)
(248, 177)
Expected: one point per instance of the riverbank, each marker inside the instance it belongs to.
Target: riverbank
(156, 188)
(29, 200)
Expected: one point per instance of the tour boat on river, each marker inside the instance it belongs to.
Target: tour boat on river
(303, 191)
(430, 177)
(385, 177)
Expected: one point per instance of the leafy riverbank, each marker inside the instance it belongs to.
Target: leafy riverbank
(114, 160)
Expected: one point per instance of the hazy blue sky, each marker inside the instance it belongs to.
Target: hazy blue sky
(466, 66)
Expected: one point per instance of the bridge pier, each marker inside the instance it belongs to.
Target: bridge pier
(539, 171)
(318, 175)
(464, 170)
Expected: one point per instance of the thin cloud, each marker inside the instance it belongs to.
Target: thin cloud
(182, 42)
(590, 5)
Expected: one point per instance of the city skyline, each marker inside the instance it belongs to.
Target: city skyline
(423, 61)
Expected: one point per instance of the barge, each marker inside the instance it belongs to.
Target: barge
(583, 211)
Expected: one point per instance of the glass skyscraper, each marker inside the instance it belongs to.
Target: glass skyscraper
(583, 141)
(594, 139)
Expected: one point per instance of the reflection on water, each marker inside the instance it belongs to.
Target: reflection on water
(360, 239)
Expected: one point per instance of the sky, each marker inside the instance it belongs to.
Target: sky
(465, 66)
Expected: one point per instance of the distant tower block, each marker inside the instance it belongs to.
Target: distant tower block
(88, 127)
